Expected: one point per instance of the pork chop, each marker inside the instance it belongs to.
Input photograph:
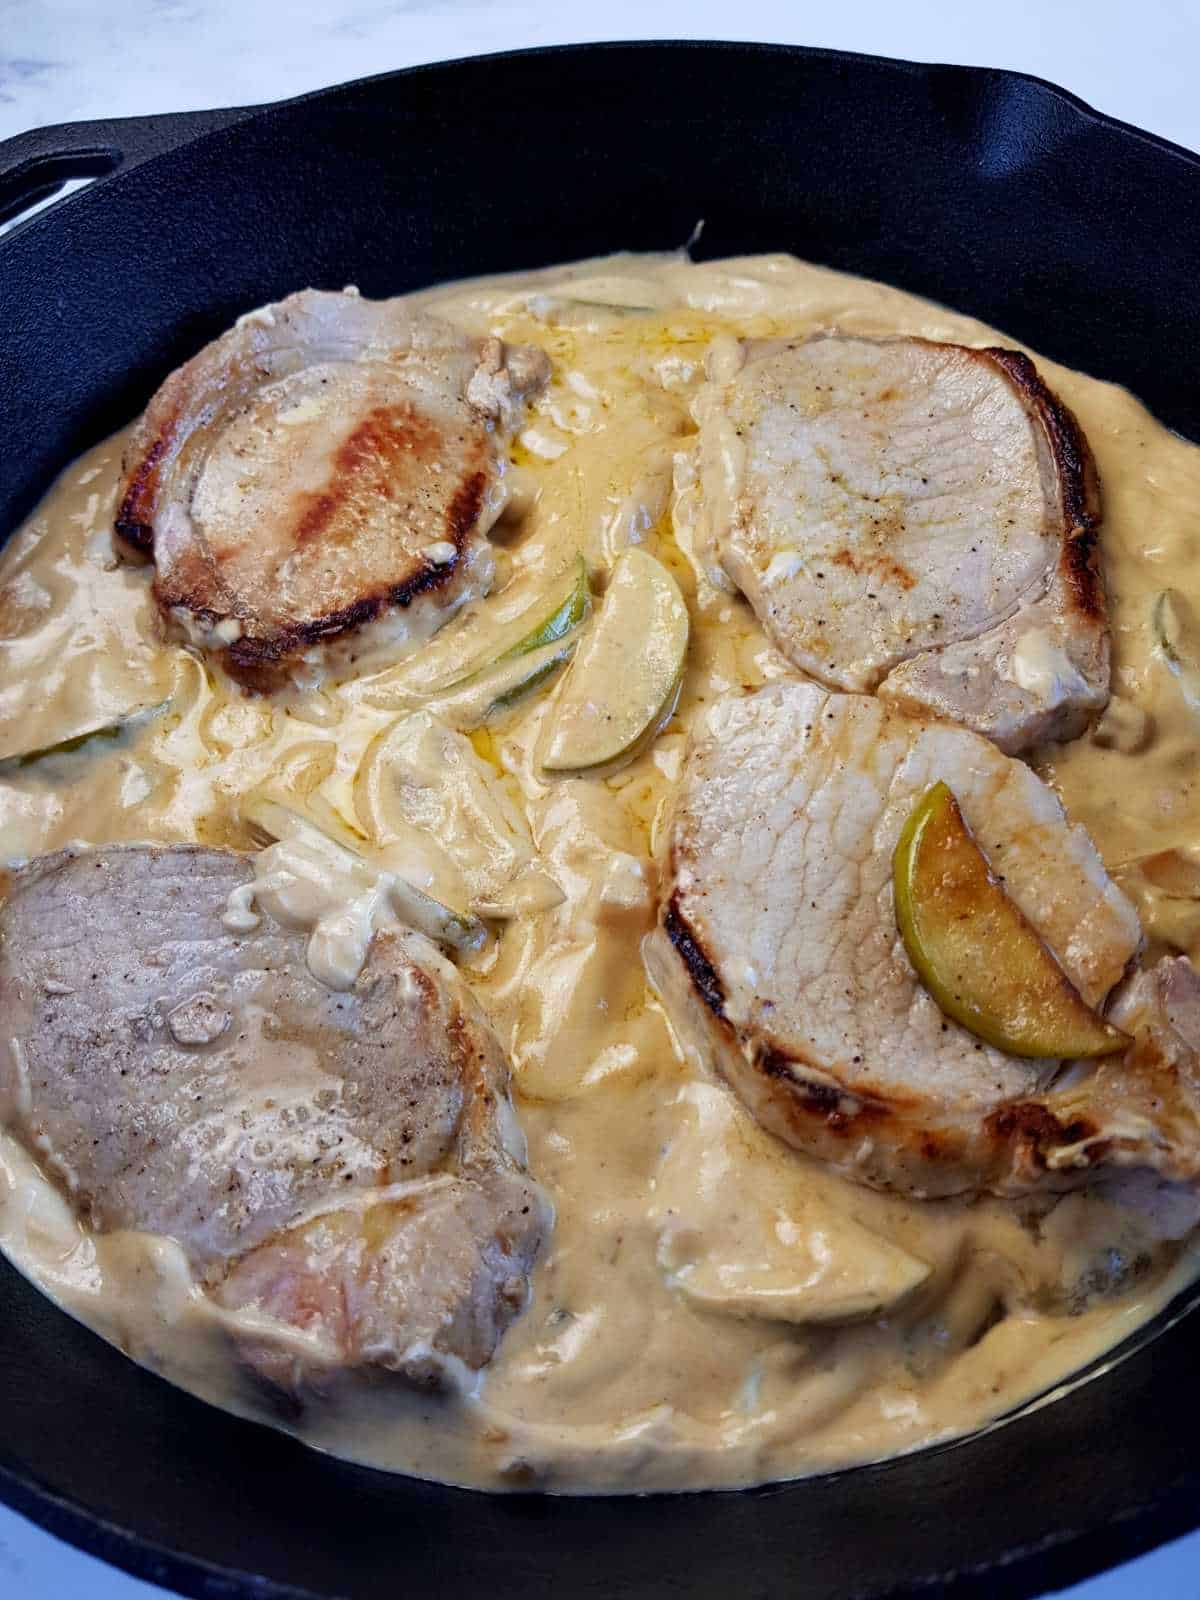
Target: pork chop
(779, 958)
(319, 481)
(915, 519)
(347, 1163)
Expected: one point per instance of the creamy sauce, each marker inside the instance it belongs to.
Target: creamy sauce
(711, 1309)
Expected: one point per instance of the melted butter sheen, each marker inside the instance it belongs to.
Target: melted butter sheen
(712, 1310)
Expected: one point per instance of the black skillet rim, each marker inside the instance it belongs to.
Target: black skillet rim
(1170, 1510)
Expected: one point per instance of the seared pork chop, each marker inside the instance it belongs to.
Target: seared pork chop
(916, 519)
(779, 958)
(329, 463)
(347, 1163)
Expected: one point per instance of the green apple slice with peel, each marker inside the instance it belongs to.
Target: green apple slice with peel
(974, 949)
(555, 619)
(567, 614)
(626, 673)
(495, 689)
(528, 653)
(110, 728)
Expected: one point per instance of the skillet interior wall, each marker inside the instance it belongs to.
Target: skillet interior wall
(982, 190)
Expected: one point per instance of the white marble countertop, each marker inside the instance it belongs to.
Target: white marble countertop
(65, 60)
(61, 60)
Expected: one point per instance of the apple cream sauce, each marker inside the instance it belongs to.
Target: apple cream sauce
(711, 1309)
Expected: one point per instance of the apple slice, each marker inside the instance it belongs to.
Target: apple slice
(745, 1231)
(556, 618)
(99, 727)
(491, 690)
(625, 678)
(526, 655)
(567, 614)
(974, 949)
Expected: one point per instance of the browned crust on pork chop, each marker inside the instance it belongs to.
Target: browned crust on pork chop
(691, 952)
(134, 520)
(1017, 1139)
(1078, 479)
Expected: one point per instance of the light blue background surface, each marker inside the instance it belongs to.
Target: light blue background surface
(61, 60)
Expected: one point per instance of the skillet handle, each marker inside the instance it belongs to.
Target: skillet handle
(35, 165)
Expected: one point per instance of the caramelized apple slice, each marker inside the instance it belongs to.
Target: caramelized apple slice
(974, 949)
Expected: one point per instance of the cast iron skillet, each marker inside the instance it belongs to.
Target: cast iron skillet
(995, 193)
